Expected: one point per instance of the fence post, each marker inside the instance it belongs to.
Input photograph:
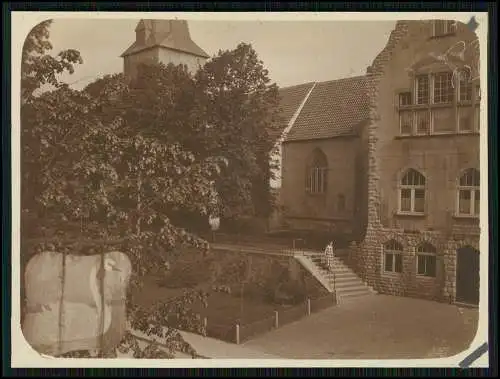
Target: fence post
(237, 334)
(205, 324)
(276, 321)
(308, 306)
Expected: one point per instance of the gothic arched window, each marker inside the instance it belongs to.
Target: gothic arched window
(317, 173)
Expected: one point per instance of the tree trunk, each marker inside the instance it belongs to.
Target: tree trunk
(139, 205)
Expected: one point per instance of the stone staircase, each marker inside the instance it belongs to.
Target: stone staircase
(342, 280)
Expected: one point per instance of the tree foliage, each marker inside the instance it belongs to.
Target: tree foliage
(122, 160)
(38, 67)
(242, 111)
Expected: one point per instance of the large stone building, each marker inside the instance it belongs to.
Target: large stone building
(423, 231)
(324, 168)
(390, 158)
(165, 41)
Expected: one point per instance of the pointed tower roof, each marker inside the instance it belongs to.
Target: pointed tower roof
(170, 34)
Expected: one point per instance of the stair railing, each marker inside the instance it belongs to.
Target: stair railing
(332, 270)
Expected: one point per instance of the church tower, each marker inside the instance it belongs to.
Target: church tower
(165, 41)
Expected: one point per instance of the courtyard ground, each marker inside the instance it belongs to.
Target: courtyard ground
(375, 327)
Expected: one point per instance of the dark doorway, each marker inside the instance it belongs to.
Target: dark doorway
(467, 282)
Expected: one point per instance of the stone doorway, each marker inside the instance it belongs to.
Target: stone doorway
(467, 276)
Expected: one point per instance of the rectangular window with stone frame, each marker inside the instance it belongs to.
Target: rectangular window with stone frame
(464, 87)
(422, 89)
(392, 257)
(426, 260)
(434, 109)
(443, 89)
(443, 120)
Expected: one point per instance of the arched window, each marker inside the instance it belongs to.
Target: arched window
(316, 175)
(426, 260)
(412, 192)
(393, 257)
(468, 193)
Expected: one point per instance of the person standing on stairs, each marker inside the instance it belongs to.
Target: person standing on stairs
(329, 256)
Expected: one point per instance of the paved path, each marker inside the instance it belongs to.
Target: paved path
(207, 347)
(376, 327)
(212, 348)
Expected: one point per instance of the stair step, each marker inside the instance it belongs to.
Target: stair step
(349, 284)
(353, 296)
(342, 278)
(345, 274)
(336, 269)
(346, 282)
(341, 274)
(353, 290)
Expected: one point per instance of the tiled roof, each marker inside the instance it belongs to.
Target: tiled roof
(171, 34)
(290, 100)
(334, 108)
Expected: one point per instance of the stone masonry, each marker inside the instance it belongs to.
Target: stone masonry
(446, 237)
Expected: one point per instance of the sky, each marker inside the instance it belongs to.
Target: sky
(294, 52)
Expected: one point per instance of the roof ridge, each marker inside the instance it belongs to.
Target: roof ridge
(296, 115)
(333, 108)
(297, 85)
(344, 79)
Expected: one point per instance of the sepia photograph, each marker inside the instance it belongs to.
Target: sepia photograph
(250, 188)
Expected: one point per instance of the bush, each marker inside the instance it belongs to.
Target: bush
(289, 292)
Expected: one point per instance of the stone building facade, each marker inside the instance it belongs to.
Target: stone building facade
(422, 237)
(324, 171)
(165, 41)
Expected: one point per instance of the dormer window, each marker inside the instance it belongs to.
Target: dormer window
(442, 27)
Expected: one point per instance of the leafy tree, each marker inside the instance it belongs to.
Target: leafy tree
(122, 160)
(38, 69)
(139, 165)
(242, 109)
(112, 155)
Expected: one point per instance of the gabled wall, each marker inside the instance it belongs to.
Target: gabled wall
(305, 211)
(440, 158)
